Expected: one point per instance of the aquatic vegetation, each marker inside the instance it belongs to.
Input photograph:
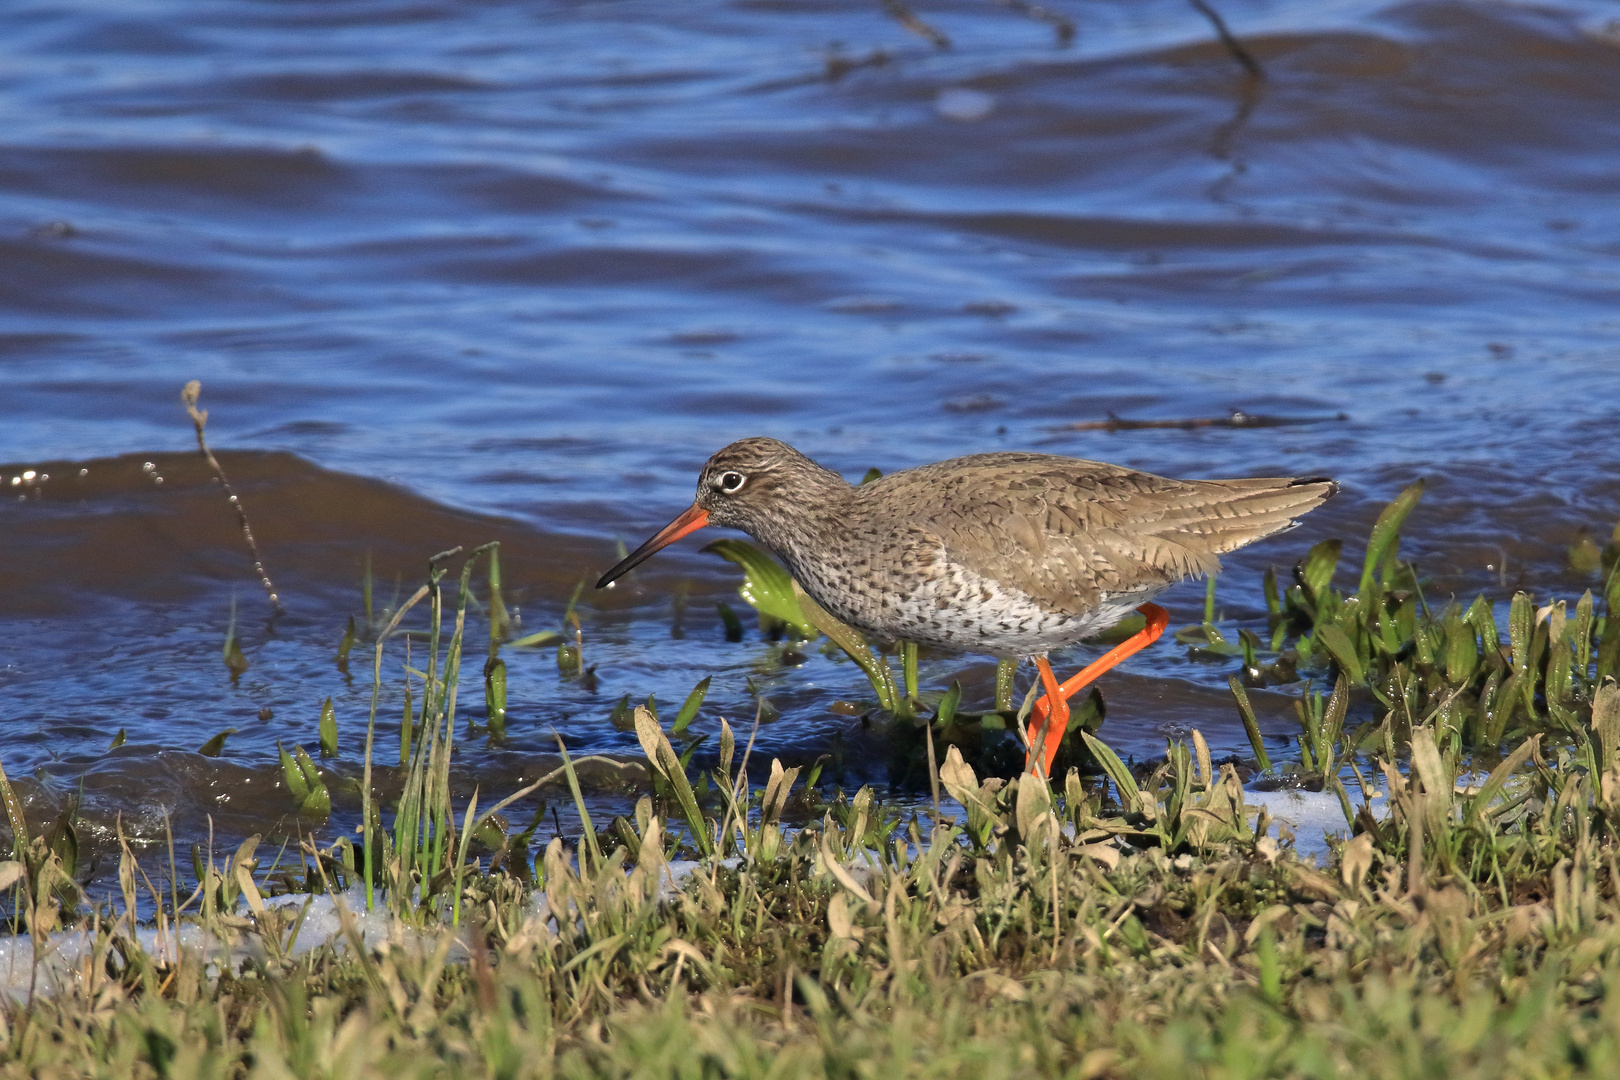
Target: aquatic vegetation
(328, 729)
(766, 587)
(1448, 669)
(304, 783)
(690, 707)
(235, 662)
(1145, 918)
(216, 744)
(407, 858)
(1137, 925)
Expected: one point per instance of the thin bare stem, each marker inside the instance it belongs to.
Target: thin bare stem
(1233, 46)
(199, 417)
(900, 13)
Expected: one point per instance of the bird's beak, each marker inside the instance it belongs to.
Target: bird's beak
(694, 519)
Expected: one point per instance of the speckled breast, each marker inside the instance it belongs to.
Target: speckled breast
(948, 606)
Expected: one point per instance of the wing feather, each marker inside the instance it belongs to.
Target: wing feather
(1069, 532)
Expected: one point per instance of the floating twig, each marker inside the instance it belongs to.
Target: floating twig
(1061, 24)
(900, 13)
(838, 65)
(1236, 420)
(199, 417)
(1239, 51)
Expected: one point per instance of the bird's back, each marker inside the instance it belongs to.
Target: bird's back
(999, 551)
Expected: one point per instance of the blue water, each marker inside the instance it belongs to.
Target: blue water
(450, 271)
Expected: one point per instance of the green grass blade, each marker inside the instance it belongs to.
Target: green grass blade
(948, 705)
(292, 775)
(213, 747)
(318, 801)
(1317, 571)
(371, 731)
(1006, 672)
(499, 621)
(535, 640)
(1492, 787)
(589, 838)
(328, 730)
(663, 759)
(1386, 535)
(344, 647)
(495, 696)
(1251, 723)
(1129, 794)
(689, 707)
(14, 815)
(1343, 651)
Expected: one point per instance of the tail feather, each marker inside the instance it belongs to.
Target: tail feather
(1227, 514)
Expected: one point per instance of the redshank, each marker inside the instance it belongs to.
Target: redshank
(1010, 554)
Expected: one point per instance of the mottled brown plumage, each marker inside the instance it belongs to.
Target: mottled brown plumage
(1011, 554)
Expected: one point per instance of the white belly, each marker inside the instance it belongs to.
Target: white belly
(960, 610)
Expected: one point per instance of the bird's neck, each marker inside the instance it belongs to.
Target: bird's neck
(805, 522)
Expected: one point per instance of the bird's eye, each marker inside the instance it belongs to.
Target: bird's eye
(732, 481)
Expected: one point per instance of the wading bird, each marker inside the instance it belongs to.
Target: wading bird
(1010, 554)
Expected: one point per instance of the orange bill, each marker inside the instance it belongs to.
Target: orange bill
(694, 519)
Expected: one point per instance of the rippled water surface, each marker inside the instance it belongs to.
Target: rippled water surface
(452, 272)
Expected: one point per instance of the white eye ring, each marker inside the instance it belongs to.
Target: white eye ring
(731, 482)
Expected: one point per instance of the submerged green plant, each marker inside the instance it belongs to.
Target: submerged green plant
(328, 729)
(304, 783)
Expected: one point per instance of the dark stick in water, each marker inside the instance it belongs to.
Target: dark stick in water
(1236, 420)
(199, 417)
(1239, 52)
(900, 13)
(1061, 24)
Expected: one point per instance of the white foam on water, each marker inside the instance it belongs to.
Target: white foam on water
(1313, 815)
(62, 962)
(1317, 816)
(963, 105)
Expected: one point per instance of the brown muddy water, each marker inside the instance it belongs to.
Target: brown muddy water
(455, 272)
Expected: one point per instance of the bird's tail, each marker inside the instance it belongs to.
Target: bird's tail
(1227, 514)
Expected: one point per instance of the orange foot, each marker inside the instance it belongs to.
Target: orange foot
(1048, 733)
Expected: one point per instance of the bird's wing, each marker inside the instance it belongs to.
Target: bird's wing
(1070, 532)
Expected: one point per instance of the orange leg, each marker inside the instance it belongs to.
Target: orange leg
(1157, 620)
(1045, 731)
